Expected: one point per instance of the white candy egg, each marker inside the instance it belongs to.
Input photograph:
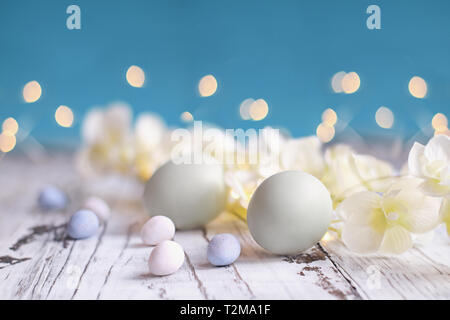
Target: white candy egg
(157, 229)
(166, 258)
(99, 207)
(289, 212)
(189, 194)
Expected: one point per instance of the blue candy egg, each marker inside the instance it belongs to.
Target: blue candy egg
(52, 198)
(83, 224)
(223, 249)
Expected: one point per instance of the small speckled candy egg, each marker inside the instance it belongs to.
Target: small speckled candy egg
(289, 212)
(157, 229)
(83, 224)
(52, 198)
(223, 249)
(166, 258)
(99, 207)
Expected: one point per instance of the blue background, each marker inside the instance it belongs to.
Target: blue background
(282, 51)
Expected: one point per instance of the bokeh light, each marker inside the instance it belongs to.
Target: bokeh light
(64, 116)
(439, 121)
(384, 117)
(336, 81)
(207, 85)
(329, 117)
(325, 133)
(244, 108)
(10, 126)
(417, 87)
(135, 76)
(32, 91)
(259, 109)
(186, 116)
(7, 142)
(350, 82)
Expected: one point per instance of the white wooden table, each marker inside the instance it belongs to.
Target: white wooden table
(37, 262)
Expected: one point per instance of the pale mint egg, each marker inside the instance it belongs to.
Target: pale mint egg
(166, 258)
(157, 229)
(223, 249)
(189, 194)
(289, 212)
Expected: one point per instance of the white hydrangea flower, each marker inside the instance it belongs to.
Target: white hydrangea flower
(347, 172)
(432, 163)
(108, 139)
(303, 154)
(384, 222)
(445, 213)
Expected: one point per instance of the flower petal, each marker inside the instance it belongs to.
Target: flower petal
(445, 213)
(361, 238)
(438, 148)
(414, 159)
(357, 208)
(433, 188)
(423, 218)
(396, 240)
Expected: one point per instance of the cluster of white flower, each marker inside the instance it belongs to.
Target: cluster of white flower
(376, 209)
(112, 144)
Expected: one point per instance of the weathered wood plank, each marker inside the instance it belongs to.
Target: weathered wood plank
(416, 274)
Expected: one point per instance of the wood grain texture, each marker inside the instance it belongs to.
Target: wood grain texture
(37, 261)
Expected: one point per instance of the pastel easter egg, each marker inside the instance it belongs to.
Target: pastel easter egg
(83, 224)
(166, 258)
(157, 229)
(99, 207)
(52, 198)
(223, 249)
(289, 212)
(189, 194)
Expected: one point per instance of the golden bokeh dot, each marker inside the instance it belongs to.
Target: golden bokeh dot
(329, 117)
(417, 87)
(64, 116)
(439, 121)
(10, 126)
(135, 76)
(7, 142)
(325, 133)
(32, 91)
(384, 117)
(350, 82)
(336, 81)
(259, 109)
(244, 108)
(207, 85)
(186, 116)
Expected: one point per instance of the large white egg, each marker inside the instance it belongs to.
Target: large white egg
(189, 194)
(289, 212)
(166, 258)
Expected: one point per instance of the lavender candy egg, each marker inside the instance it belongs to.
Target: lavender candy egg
(99, 207)
(166, 258)
(83, 224)
(223, 249)
(157, 229)
(52, 198)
